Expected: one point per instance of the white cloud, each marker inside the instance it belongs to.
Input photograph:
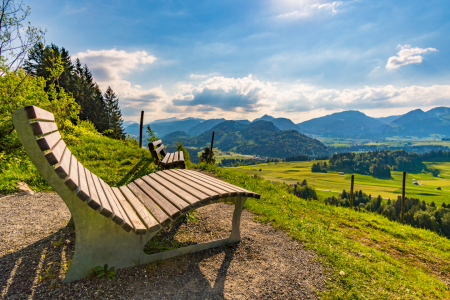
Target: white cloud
(406, 56)
(197, 76)
(308, 8)
(251, 97)
(109, 68)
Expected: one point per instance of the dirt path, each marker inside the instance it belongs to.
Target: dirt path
(266, 264)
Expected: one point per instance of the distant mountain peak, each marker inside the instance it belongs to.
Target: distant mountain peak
(266, 117)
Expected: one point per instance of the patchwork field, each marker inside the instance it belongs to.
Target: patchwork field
(332, 183)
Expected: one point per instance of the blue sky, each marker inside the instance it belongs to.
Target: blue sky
(243, 59)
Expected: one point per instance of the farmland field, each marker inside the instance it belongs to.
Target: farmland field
(332, 183)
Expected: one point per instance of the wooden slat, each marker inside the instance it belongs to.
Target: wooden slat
(159, 215)
(175, 158)
(117, 215)
(204, 198)
(174, 199)
(213, 194)
(40, 128)
(164, 161)
(94, 201)
(54, 155)
(217, 182)
(170, 160)
(159, 149)
(224, 183)
(36, 113)
(156, 143)
(63, 167)
(83, 189)
(105, 208)
(126, 225)
(165, 205)
(193, 201)
(146, 217)
(72, 180)
(48, 141)
(222, 192)
(135, 222)
(233, 192)
(181, 158)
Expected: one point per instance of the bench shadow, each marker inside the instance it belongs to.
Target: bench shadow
(37, 271)
(139, 170)
(23, 270)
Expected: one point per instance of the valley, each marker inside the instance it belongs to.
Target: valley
(332, 183)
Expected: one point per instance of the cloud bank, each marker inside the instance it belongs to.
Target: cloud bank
(407, 55)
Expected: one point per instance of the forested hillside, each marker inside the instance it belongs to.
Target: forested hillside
(257, 138)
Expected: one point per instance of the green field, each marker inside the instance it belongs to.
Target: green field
(332, 183)
(219, 155)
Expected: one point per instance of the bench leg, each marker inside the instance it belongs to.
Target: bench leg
(235, 230)
(100, 241)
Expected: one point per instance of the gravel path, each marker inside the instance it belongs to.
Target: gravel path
(35, 247)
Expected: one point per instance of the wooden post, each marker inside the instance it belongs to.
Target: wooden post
(351, 191)
(403, 198)
(210, 152)
(140, 129)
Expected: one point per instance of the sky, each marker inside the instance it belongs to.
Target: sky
(243, 59)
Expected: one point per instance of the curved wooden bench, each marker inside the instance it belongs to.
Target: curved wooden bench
(169, 160)
(113, 224)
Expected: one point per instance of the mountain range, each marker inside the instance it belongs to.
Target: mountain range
(352, 124)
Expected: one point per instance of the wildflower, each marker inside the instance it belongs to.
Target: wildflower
(342, 273)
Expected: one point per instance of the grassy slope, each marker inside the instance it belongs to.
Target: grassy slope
(293, 172)
(381, 259)
(117, 162)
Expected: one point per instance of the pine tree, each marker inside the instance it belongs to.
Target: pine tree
(114, 115)
(151, 136)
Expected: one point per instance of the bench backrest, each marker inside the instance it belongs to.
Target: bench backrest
(87, 186)
(157, 148)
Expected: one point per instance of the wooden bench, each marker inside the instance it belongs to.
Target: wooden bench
(113, 224)
(169, 160)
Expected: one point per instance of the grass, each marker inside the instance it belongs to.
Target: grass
(115, 161)
(381, 259)
(332, 183)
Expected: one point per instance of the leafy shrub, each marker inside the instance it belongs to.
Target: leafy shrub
(103, 272)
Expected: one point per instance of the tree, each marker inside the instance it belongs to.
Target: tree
(114, 115)
(205, 156)
(151, 136)
(16, 39)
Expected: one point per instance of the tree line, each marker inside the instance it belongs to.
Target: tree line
(380, 163)
(418, 214)
(102, 109)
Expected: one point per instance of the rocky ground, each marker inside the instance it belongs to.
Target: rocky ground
(36, 248)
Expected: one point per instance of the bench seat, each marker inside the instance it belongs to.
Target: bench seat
(113, 224)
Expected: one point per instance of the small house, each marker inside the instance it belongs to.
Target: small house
(415, 183)
(439, 188)
(341, 173)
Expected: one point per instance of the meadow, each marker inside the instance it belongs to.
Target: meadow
(366, 255)
(332, 183)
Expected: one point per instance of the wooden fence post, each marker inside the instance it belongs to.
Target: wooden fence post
(351, 191)
(140, 129)
(403, 198)
(210, 152)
